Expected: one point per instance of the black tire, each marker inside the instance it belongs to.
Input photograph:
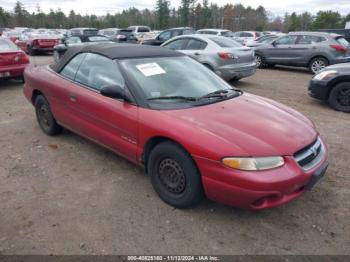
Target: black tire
(174, 175)
(56, 56)
(31, 51)
(259, 60)
(339, 97)
(317, 64)
(45, 118)
(209, 67)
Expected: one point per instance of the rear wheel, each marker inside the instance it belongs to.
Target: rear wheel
(31, 51)
(317, 64)
(45, 117)
(339, 97)
(174, 175)
(259, 61)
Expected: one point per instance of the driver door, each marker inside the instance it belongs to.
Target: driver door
(110, 122)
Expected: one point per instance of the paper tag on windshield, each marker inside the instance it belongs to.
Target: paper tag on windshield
(150, 69)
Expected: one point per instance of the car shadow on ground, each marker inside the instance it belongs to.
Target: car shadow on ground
(302, 70)
(9, 84)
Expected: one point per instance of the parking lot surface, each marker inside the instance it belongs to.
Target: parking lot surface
(66, 195)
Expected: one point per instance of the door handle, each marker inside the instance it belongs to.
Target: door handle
(196, 53)
(73, 97)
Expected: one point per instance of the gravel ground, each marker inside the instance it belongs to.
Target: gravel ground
(66, 195)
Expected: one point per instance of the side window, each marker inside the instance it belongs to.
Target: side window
(71, 68)
(194, 44)
(98, 71)
(176, 33)
(177, 44)
(286, 40)
(317, 39)
(164, 36)
(304, 40)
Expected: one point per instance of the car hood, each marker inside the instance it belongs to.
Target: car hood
(256, 125)
(340, 67)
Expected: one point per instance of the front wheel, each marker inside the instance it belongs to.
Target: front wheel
(317, 64)
(45, 118)
(174, 175)
(339, 97)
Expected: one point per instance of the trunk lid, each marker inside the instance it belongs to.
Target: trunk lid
(9, 58)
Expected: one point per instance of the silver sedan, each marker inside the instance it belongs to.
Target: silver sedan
(224, 56)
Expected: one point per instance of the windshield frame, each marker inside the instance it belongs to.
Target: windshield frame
(137, 91)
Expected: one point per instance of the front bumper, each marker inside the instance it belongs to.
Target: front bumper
(236, 71)
(256, 190)
(12, 71)
(318, 89)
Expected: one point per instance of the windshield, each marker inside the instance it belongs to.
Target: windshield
(268, 40)
(342, 41)
(173, 77)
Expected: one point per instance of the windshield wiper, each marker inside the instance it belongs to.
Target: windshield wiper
(187, 98)
(217, 93)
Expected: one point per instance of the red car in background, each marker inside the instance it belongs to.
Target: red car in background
(12, 60)
(194, 134)
(34, 43)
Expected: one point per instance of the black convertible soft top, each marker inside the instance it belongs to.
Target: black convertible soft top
(115, 51)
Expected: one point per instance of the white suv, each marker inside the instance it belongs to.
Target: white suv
(220, 32)
(139, 30)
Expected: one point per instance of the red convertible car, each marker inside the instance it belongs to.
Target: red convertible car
(12, 60)
(194, 134)
(34, 43)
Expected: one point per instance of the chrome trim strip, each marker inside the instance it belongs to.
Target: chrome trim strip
(312, 150)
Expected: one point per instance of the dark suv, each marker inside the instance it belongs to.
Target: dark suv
(314, 50)
(170, 33)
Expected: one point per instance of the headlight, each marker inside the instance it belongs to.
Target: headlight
(326, 75)
(253, 163)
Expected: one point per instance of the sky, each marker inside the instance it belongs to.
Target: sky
(103, 6)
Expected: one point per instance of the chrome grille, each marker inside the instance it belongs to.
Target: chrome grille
(310, 156)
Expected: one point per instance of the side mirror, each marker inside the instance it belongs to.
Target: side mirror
(274, 43)
(115, 92)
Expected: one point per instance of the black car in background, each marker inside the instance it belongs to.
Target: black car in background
(167, 34)
(332, 84)
(60, 49)
(119, 35)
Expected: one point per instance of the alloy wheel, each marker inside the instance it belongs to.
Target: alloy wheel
(318, 65)
(343, 96)
(258, 61)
